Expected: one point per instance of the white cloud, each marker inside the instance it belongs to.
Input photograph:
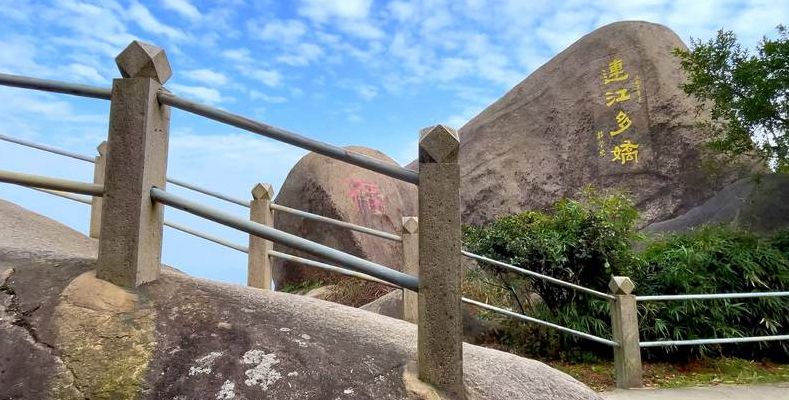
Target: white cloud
(87, 73)
(257, 95)
(206, 76)
(322, 10)
(205, 94)
(183, 7)
(367, 92)
(240, 55)
(287, 31)
(145, 20)
(302, 55)
(268, 77)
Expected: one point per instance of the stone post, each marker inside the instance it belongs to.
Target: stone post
(410, 235)
(130, 242)
(624, 322)
(259, 263)
(96, 202)
(440, 331)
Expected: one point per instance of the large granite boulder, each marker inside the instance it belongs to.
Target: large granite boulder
(758, 204)
(338, 190)
(66, 335)
(607, 112)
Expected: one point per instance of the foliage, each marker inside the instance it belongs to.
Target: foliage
(582, 242)
(714, 259)
(746, 94)
(586, 242)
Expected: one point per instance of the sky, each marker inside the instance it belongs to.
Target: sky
(348, 72)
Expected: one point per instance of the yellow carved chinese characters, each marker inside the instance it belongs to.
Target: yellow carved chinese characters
(616, 72)
(616, 96)
(626, 152)
(623, 121)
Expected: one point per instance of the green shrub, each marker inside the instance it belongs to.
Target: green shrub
(587, 241)
(582, 242)
(714, 259)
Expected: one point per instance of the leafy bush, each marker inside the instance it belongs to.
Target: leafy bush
(587, 241)
(714, 259)
(582, 242)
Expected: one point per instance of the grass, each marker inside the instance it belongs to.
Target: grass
(600, 376)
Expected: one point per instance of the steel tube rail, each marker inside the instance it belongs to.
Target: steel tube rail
(328, 267)
(45, 182)
(65, 195)
(90, 159)
(46, 85)
(661, 343)
(206, 236)
(47, 148)
(540, 322)
(669, 297)
(293, 241)
(336, 152)
(354, 227)
(538, 275)
(208, 192)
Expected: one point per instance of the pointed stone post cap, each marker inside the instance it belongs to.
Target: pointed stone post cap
(262, 191)
(143, 60)
(438, 144)
(410, 225)
(102, 148)
(621, 285)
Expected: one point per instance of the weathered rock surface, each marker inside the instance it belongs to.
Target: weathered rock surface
(758, 204)
(66, 335)
(568, 124)
(335, 189)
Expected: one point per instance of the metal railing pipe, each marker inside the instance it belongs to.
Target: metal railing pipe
(336, 152)
(348, 225)
(328, 267)
(47, 148)
(206, 236)
(669, 297)
(65, 195)
(540, 322)
(538, 275)
(663, 343)
(45, 182)
(208, 192)
(46, 85)
(293, 241)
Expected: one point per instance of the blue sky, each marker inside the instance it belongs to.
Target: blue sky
(359, 72)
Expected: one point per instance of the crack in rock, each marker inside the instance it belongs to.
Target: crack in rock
(19, 318)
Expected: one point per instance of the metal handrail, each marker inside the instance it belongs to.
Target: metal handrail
(351, 226)
(46, 85)
(669, 297)
(45, 182)
(243, 203)
(540, 322)
(210, 238)
(66, 195)
(691, 342)
(328, 267)
(328, 150)
(538, 275)
(46, 148)
(293, 241)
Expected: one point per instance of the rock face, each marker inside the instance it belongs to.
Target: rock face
(66, 335)
(755, 204)
(335, 189)
(607, 111)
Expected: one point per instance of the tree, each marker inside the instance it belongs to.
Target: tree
(747, 95)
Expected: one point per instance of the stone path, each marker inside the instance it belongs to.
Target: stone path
(778, 391)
